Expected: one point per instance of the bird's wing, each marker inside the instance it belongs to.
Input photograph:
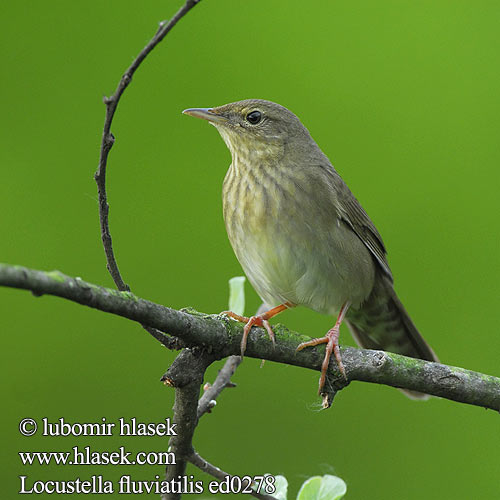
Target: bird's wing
(354, 215)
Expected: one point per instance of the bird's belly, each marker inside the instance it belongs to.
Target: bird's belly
(287, 257)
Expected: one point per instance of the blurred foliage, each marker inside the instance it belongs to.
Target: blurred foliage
(326, 487)
(237, 295)
(402, 96)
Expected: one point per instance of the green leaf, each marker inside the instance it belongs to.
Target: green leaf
(237, 295)
(276, 486)
(322, 488)
(281, 485)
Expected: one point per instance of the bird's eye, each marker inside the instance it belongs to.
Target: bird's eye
(254, 117)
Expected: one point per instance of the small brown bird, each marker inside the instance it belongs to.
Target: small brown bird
(302, 237)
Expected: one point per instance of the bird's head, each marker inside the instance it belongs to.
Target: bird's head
(254, 127)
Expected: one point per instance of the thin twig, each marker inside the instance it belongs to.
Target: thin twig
(214, 471)
(223, 380)
(223, 336)
(107, 142)
(108, 139)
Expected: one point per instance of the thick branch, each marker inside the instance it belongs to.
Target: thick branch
(186, 375)
(222, 336)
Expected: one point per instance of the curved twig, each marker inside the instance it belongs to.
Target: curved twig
(222, 336)
(107, 142)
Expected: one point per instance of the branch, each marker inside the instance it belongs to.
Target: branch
(186, 375)
(221, 336)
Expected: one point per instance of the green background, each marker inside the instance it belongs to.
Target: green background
(404, 99)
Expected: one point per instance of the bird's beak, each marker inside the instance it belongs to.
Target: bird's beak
(205, 114)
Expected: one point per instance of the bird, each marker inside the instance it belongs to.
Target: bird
(301, 236)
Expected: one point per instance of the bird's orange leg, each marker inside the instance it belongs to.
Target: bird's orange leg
(331, 339)
(258, 320)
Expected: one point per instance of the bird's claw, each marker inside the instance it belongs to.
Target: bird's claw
(258, 320)
(331, 339)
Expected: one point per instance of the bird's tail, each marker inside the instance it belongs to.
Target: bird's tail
(382, 323)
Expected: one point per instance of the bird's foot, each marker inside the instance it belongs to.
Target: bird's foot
(331, 339)
(259, 320)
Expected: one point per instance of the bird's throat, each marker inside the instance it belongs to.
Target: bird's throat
(248, 152)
